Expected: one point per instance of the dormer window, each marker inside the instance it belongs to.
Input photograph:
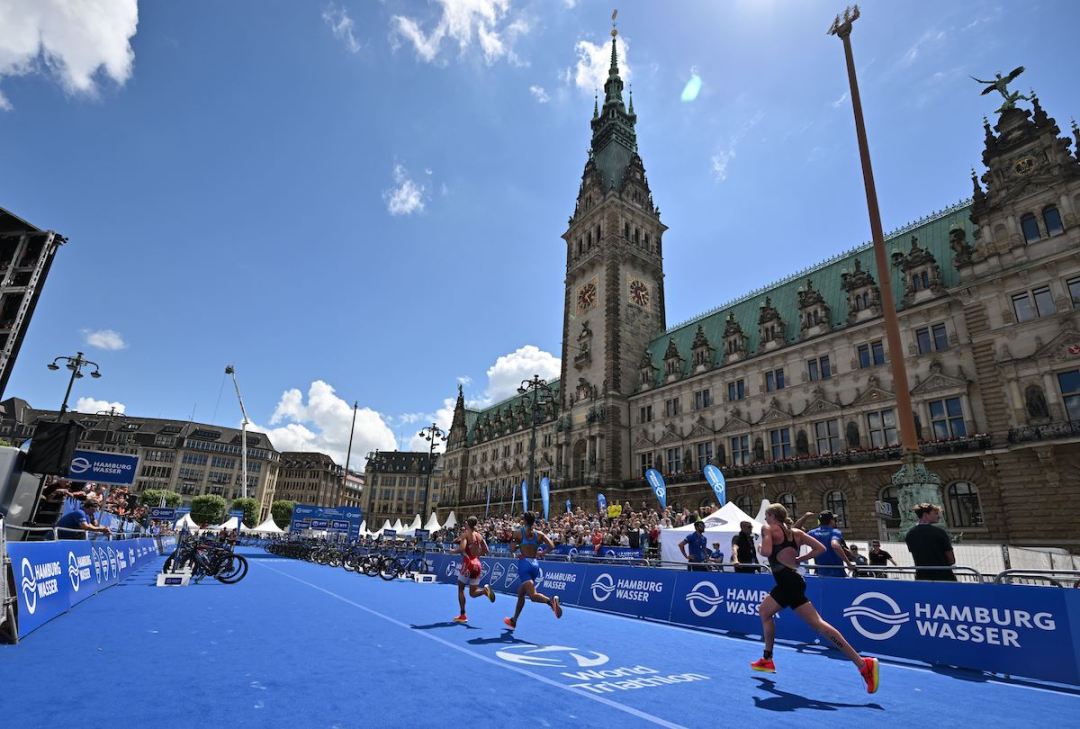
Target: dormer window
(921, 271)
(771, 326)
(1052, 221)
(734, 339)
(672, 361)
(646, 370)
(863, 296)
(701, 351)
(861, 300)
(920, 280)
(813, 311)
(1030, 226)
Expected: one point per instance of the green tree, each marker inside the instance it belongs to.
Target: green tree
(208, 510)
(282, 513)
(251, 510)
(152, 497)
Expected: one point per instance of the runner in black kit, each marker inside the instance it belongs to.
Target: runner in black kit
(780, 545)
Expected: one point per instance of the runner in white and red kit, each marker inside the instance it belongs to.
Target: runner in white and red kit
(472, 547)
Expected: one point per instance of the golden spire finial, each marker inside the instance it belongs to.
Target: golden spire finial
(614, 30)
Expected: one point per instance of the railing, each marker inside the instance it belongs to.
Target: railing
(92, 536)
(1048, 431)
(1052, 578)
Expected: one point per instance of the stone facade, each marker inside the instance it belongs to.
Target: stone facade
(788, 389)
(394, 483)
(311, 478)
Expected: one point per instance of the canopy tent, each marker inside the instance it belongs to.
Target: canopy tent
(761, 511)
(397, 526)
(451, 521)
(267, 527)
(363, 528)
(385, 525)
(433, 523)
(185, 521)
(720, 526)
(230, 524)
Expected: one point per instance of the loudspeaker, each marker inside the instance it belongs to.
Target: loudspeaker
(52, 448)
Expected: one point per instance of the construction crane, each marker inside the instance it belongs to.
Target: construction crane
(230, 370)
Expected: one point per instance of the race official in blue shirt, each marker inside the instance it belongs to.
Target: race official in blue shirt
(698, 544)
(832, 561)
(75, 523)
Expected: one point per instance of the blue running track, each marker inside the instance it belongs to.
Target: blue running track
(298, 645)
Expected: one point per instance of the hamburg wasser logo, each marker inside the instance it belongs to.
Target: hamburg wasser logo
(79, 465)
(602, 587)
(862, 616)
(73, 571)
(28, 585)
(704, 599)
(551, 656)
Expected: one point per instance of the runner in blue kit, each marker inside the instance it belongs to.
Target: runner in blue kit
(830, 563)
(526, 542)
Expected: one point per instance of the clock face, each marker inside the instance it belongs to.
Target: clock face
(586, 297)
(1024, 165)
(639, 293)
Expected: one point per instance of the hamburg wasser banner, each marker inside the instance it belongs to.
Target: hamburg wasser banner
(656, 482)
(716, 479)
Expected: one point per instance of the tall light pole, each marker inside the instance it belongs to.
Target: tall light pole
(75, 364)
(230, 370)
(914, 482)
(434, 435)
(541, 395)
(348, 453)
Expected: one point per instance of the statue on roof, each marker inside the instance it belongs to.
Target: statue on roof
(1001, 85)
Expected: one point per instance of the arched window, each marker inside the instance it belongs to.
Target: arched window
(837, 504)
(789, 503)
(891, 495)
(1030, 226)
(1052, 221)
(963, 508)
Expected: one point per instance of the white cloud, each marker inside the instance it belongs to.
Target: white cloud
(71, 41)
(693, 86)
(840, 102)
(722, 157)
(341, 25)
(406, 197)
(322, 423)
(539, 94)
(464, 21)
(569, 3)
(464, 380)
(92, 406)
(594, 61)
(912, 53)
(720, 162)
(104, 339)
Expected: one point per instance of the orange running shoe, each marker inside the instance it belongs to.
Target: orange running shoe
(556, 607)
(765, 665)
(509, 622)
(461, 618)
(869, 672)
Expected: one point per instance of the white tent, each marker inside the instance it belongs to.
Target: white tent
(720, 526)
(230, 524)
(761, 511)
(385, 525)
(397, 526)
(411, 529)
(185, 521)
(267, 527)
(451, 521)
(433, 523)
(363, 528)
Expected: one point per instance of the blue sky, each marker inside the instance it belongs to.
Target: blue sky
(363, 200)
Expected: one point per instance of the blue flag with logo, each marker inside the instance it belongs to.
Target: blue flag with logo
(601, 503)
(568, 509)
(524, 496)
(545, 494)
(656, 481)
(716, 479)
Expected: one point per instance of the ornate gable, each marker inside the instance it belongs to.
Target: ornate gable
(669, 436)
(643, 441)
(1064, 347)
(700, 430)
(938, 381)
(672, 361)
(874, 394)
(863, 295)
(735, 423)
(775, 414)
(701, 351)
(921, 271)
(770, 325)
(646, 371)
(820, 405)
(734, 339)
(814, 313)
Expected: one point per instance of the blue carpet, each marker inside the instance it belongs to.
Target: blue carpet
(299, 645)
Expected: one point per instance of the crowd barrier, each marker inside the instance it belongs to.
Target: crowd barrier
(50, 578)
(1015, 630)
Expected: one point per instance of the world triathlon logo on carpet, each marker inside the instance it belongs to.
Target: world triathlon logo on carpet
(29, 586)
(497, 572)
(602, 587)
(73, 571)
(704, 599)
(858, 612)
(551, 656)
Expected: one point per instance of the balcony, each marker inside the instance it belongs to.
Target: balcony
(1047, 431)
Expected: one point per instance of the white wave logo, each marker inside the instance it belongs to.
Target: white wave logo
(29, 585)
(497, 572)
(551, 656)
(73, 571)
(112, 563)
(602, 587)
(894, 619)
(97, 563)
(511, 575)
(704, 594)
(79, 465)
(539, 576)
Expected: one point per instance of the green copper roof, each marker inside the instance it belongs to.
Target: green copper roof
(474, 418)
(932, 232)
(614, 141)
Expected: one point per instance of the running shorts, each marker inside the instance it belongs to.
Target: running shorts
(790, 590)
(469, 571)
(528, 569)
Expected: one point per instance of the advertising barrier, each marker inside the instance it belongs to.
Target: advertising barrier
(1018, 630)
(53, 577)
(339, 519)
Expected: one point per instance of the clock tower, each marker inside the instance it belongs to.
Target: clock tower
(614, 299)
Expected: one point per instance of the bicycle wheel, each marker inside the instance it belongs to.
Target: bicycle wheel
(371, 566)
(389, 568)
(234, 569)
(349, 563)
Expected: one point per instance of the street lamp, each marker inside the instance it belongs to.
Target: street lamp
(75, 364)
(434, 435)
(542, 394)
(914, 481)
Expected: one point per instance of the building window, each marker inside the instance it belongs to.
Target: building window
(1030, 226)
(788, 502)
(1052, 220)
(1074, 291)
(780, 443)
(871, 354)
(819, 369)
(1069, 382)
(827, 434)
(702, 399)
(882, 427)
(963, 508)
(704, 454)
(837, 504)
(932, 339)
(645, 414)
(646, 462)
(947, 418)
(674, 460)
(740, 450)
(671, 407)
(774, 380)
(861, 300)
(1029, 305)
(920, 280)
(736, 390)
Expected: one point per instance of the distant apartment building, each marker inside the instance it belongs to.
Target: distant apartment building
(314, 478)
(394, 487)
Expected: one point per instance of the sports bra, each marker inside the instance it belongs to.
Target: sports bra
(789, 541)
(534, 540)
